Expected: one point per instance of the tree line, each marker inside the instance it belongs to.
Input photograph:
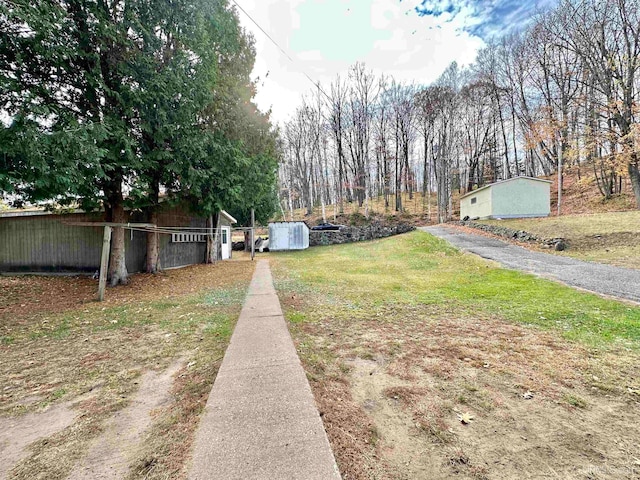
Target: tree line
(130, 104)
(560, 95)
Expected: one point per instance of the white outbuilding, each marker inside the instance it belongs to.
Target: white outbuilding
(518, 197)
(226, 225)
(288, 236)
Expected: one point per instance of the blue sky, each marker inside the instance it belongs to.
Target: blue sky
(488, 18)
(413, 40)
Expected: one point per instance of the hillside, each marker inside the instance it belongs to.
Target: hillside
(580, 196)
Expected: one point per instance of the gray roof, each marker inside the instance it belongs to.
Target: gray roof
(504, 181)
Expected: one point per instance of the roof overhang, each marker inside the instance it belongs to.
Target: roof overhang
(228, 216)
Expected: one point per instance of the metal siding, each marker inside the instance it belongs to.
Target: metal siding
(522, 197)
(288, 236)
(180, 254)
(42, 243)
(278, 237)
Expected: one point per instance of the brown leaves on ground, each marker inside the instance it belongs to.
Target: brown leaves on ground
(59, 345)
(461, 382)
(351, 432)
(27, 295)
(582, 196)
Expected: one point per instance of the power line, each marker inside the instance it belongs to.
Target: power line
(282, 50)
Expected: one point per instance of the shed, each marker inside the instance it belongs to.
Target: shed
(39, 241)
(226, 221)
(288, 236)
(518, 197)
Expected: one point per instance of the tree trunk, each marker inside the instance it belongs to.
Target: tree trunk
(210, 252)
(634, 175)
(560, 168)
(398, 172)
(117, 265)
(153, 246)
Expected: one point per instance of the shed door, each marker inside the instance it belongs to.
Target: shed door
(226, 243)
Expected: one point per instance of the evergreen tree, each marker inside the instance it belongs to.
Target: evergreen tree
(113, 102)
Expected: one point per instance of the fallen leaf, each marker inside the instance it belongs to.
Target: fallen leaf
(465, 418)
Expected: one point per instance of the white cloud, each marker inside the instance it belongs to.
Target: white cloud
(325, 37)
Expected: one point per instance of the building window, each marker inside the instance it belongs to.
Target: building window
(224, 236)
(188, 238)
(474, 200)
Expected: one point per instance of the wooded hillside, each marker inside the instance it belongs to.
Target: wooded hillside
(561, 96)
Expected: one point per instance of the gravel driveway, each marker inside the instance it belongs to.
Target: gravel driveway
(604, 279)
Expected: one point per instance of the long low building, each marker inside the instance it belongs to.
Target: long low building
(40, 241)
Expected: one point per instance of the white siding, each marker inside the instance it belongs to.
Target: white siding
(476, 204)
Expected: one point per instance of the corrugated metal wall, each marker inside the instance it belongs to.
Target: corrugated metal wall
(42, 243)
(288, 236)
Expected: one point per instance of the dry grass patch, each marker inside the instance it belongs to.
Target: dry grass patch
(91, 357)
(536, 403)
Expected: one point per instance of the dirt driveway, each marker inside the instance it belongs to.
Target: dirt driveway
(603, 279)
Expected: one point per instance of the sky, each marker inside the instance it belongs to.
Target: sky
(412, 40)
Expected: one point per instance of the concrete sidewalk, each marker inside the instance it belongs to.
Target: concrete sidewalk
(261, 421)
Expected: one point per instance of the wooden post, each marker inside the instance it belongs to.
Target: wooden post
(104, 262)
(253, 234)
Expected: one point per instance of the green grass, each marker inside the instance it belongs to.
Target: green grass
(575, 401)
(124, 341)
(363, 280)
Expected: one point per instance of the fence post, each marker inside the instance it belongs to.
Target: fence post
(253, 234)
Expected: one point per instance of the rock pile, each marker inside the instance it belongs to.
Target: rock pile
(556, 243)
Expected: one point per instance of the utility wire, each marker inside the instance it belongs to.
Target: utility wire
(315, 84)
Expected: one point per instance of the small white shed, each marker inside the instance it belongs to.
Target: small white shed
(518, 197)
(226, 222)
(288, 236)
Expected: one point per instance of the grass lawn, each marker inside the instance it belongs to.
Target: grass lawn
(429, 363)
(603, 237)
(62, 352)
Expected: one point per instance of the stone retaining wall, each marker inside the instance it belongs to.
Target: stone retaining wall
(518, 235)
(350, 234)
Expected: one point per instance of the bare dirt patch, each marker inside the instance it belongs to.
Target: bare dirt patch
(400, 438)
(536, 406)
(118, 445)
(17, 433)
